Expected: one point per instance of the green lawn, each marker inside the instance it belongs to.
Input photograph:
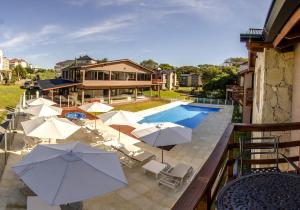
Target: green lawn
(135, 107)
(185, 89)
(9, 97)
(166, 94)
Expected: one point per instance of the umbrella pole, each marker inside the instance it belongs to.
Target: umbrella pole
(162, 155)
(119, 134)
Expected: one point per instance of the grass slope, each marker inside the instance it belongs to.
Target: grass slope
(135, 107)
(9, 97)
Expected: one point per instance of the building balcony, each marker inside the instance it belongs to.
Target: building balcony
(218, 170)
(115, 83)
(236, 92)
(156, 81)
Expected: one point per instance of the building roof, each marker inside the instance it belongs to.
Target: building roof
(279, 13)
(55, 84)
(85, 58)
(66, 62)
(114, 62)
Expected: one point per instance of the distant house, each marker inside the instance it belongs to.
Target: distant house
(82, 60)
(100, 80)
(4, 67)
(190, 80)
(63, 64)
(167, 79)
(16, 61)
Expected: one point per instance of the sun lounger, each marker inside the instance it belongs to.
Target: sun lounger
(174, 177)
(134, 158)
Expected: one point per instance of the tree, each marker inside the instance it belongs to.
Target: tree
(103, 60)
(188, 70)
(165, 66)
(209, 72)
(149, 64)
(19, 72)
(219, 83)
(235, 61)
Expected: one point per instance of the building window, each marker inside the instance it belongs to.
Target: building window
(97, 75)
(116, 75)
(143, 77)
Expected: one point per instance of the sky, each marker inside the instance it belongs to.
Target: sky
(178, 32)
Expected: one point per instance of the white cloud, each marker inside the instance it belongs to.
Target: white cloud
(36, 56)
(14, 41)
(104, 27)
(98, 2)
(20, 40)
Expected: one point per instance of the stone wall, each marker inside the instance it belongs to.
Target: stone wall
(274, 79)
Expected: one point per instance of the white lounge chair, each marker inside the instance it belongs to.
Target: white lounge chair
(175, 176)
(134, 158)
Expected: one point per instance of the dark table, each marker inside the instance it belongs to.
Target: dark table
(268, 191)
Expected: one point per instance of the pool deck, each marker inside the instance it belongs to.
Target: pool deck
(143, 191)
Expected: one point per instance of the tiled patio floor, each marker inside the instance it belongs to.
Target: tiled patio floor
(143, 191)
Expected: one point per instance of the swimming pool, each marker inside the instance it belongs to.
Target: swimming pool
(185, 115)
(75, 115)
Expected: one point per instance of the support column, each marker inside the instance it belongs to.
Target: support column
(52, 96)
(135, 93)
(158, 88)
(82, 96)
(296, 95)
(109, 96)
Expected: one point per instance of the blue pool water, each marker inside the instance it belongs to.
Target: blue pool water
(185, 115)
(75, 115)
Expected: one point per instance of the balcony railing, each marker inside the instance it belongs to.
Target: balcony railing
(237, 92)
(156, 81)
(218, 169)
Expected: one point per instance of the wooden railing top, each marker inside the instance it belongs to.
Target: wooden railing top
(205, 178)
(207, 174)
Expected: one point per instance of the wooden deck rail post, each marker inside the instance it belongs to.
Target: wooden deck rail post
(230, 159)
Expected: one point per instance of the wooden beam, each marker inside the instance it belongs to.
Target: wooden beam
(288, 43)
(287, 27)
(258, 46)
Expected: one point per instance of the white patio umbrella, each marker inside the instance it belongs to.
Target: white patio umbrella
(120, 118)
(163, 134)
(49, 128)
(40, 101)
(43, 110)
(96, 107)
(67, 173)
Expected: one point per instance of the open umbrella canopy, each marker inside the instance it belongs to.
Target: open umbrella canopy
(96, 107)
(163, 134)
(43, 110)
(120, 118)
(52, 128)
(66, 173)
(39, 101)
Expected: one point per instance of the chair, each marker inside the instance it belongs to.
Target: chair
(133, 158)
(175, 176)
(251, 148)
